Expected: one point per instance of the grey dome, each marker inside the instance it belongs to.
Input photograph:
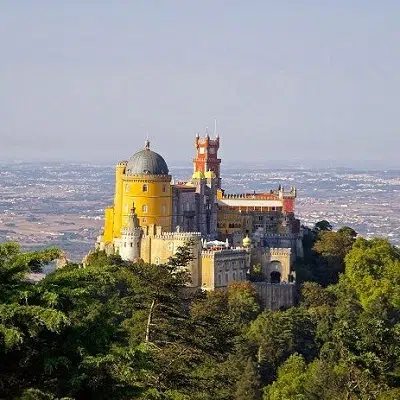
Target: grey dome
(146, 162)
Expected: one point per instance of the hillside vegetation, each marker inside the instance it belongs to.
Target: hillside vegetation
(118, 330)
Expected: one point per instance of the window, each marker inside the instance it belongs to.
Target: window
(131, 244)
(234, 276)
(163, 208)
(144, 220)
(157, 261)
(164, 188)
(219, 279)
(144, 208)
(127, 187)
(226, 278)
(188, 206)
(171, 247)
(145, 188)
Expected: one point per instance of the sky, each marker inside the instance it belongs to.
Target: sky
(306, 81)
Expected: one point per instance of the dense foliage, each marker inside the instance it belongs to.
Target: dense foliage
(118, 330)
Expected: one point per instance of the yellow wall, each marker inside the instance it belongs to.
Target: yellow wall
(207, 272)
(157, 250)
(117, 223)
(158, 201)
(129, 191)
(108, 224)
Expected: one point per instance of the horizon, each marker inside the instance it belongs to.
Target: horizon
(361, 165)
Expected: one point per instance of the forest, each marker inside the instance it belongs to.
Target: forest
(119, 330)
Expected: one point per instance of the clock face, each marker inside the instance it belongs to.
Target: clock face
(201, 151)
(212, 150)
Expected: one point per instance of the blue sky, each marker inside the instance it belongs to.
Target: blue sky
(309, 81)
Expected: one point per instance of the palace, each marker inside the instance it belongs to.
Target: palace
(230, 233)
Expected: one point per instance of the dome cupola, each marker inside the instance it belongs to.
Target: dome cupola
(146, 162)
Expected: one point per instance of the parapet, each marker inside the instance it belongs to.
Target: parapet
(280, 251)
(210, 253)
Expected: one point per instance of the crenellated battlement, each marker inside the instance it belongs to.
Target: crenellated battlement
(128, 232)
(279, 251)
(290, 236)
(176, 235)
(147, 178)
(250, 196)
(211, 253)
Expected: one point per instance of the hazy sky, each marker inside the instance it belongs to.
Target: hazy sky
(287, 80)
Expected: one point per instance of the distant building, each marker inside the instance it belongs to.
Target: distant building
(152, 216)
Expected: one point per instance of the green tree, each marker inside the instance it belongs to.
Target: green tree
(290, 381)
(373, 269)
(248, 386)
(323, 225)
(314, 295)
(276, 335)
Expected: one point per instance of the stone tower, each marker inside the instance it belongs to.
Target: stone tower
(207, 156)
(130, 238)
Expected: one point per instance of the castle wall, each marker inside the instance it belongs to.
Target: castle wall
(157, 249)
(117, 219)
(276, 296)
(108, 224)
(273, 260)
(152, 196)
(219, 267)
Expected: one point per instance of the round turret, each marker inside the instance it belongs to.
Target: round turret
(210, 174)
(197, 175)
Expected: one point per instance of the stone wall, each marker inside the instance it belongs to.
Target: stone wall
(276, 296)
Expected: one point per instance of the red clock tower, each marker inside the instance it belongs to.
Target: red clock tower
(207, 156)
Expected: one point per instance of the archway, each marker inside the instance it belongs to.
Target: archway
(275, 277)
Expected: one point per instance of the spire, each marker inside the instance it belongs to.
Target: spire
(207, 135)
(215, 128)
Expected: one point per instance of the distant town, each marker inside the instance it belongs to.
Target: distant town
(62, 205)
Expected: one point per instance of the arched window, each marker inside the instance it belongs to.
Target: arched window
(164, 188)
(226, 278)
(234, 276)
(145, 188)
(144, 208)
(275, 277)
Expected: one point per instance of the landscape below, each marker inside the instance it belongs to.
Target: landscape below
(62, 205)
